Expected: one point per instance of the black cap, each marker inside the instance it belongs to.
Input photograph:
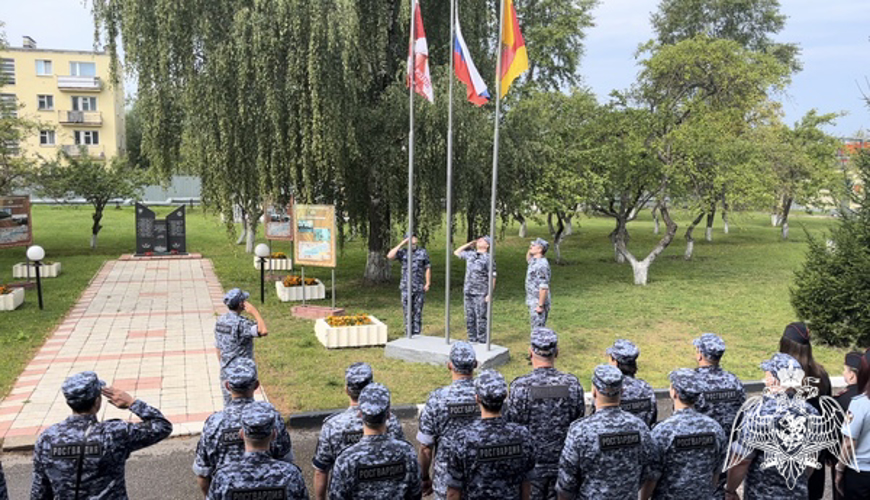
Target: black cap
(853, 360)
(797, 332)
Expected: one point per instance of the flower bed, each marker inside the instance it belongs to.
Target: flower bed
(11, 298)
(276, 264)
(290, 292)
(350, 331)
(46, 270)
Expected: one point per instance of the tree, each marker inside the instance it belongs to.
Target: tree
(15, 168)
(831, 291)
(133, 129)
(86, 177)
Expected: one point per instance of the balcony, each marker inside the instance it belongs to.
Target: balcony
(95, 152)
(80, 83)
(80, 118)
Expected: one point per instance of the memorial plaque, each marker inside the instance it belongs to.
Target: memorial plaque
(160, 237)
(177, 232)
(16, 225)
(144, 230)
(279, 221)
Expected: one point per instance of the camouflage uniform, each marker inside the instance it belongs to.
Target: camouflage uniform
(545, 401)
(84, 458)
(722, 393)
(256, 475)
(537, 279)
(234, 336)
(690, 447)
(476, 290)
(345, 429)
(418, 294)
(378, 466)
(492, 457)
(220, 443)
(638, 396)
(609, 454)
(447, 410)
(4, 495)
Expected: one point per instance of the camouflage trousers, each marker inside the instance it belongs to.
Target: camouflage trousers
(417, 299)
(544, 488)
(475, 317)
(539, 320)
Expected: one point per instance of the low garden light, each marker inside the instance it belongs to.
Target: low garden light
(261, 251)
(35, 254)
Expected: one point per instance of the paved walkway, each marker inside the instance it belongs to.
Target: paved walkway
(146, 326)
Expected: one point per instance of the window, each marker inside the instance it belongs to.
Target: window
(43, 67)
(45, 102)
(8, 106)
(82, 69)
(46, 137)
(87, 137)
(7, 71)
(84, 103)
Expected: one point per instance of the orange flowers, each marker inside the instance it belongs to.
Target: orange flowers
(354, 320)
(278, 255)
(294, 280)
(5, 289)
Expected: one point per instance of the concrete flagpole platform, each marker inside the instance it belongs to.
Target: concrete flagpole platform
(436, 351)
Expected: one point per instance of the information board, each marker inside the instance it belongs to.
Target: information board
(16, 226)
(314, 235)
(278, 221)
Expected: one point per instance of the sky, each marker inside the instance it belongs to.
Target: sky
(833, 35)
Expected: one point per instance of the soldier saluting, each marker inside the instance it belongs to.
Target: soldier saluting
(234, 334)
(476, 290)
(421, 279)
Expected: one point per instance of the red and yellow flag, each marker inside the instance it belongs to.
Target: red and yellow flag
(514, 59)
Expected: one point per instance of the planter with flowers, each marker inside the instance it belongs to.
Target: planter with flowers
(10, 298)
(26, 270)
(278, 261)
(291, 289)
(359, 330)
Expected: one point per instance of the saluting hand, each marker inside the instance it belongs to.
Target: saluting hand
(117, 397)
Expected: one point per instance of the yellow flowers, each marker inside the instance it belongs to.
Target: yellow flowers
(354, 320)
(294, 280)
(5, 289)
(278, 255)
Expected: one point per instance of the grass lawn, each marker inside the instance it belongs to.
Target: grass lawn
(736, 286)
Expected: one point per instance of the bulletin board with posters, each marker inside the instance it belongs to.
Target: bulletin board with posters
(314, 235)
(16, 224)
(279, 221)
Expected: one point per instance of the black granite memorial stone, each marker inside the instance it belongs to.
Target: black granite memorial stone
(160, 237)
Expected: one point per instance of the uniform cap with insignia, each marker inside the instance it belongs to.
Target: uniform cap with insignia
(687, 384)
(84, 386)
(462, 357)
(241, 374)
(234, 298)
(487, 239)
(853, 360)
(544, 341)
(542, 243)
(490, 387)
(258, 419)
(711, 345)
(374, 402)
(785, 368)
(607, 379)
(623, 351)
(357, 376)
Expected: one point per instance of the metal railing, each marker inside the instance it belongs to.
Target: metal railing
(80, 117)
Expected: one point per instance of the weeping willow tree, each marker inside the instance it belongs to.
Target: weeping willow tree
(272, 98)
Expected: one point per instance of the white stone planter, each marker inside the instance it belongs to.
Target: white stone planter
(11, 300)
(351, 336)
(21, 270)
(276, 264)
(294, 293)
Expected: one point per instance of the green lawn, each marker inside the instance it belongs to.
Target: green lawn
(736, 286)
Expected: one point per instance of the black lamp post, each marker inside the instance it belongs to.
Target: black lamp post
(35, 254)
(261, 251)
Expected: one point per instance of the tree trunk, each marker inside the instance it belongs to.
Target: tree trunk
(569, 226)
(469, 226)
(711, 217)
(557, 238)
(95, 228)
(377, 265)
(724, 216)
(786, 208)
(244, 233)
(690, 241)
(655, 216)
(550, 226)
(641, 268)
(620, 233)
(524, 227)
(250, 236)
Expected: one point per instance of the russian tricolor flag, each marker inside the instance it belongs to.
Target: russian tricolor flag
(466, 72)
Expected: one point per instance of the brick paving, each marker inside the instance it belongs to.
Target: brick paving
(146, 326)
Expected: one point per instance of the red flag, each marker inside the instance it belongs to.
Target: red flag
(422, 81)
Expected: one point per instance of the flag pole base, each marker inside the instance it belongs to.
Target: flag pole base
(434, 351)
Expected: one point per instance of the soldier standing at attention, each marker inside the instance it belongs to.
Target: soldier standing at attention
(256, 474)
(607, 455)
(220, 443)
(344, 429)
(492, 458)
(234, 334)
(722, 393)
(538, 282)
(448, 409)
(421, 279)
(638, 396)
(82, 457)
(379, 466)
(690, 447)
(476, 290)
(546, 402)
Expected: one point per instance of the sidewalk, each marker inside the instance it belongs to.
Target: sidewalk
(146, 326)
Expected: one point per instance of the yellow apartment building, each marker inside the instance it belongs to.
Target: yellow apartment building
(70, 94)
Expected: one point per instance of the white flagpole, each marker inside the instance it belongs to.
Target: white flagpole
(492, 234)
(412, 76)
(448, 239)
